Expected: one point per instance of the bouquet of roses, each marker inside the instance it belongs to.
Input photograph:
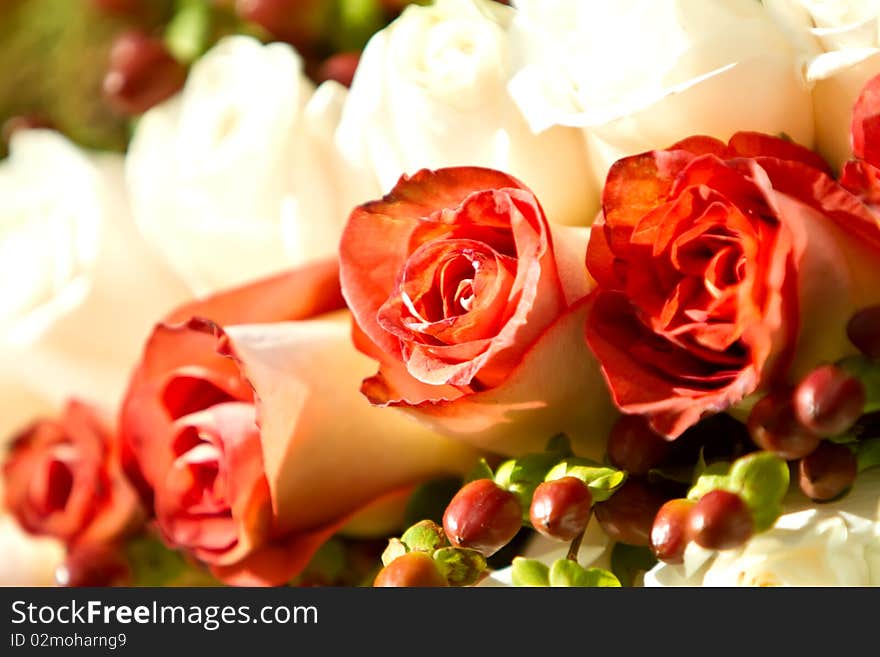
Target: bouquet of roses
(553, 294)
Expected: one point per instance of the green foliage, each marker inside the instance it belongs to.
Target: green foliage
(629, 560)
(529, 572)
(566, 572)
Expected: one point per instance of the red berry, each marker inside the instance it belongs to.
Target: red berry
(142, 73)
(482, 516)
(774, 427)
(670, 533)
(829, 401)
(93, 566)
(410, 570)
(721, 520)
(561, 508)
(635, 447)
(863, 330)
(628, 515)
(340, 67)
(299, 22)
(829, 471)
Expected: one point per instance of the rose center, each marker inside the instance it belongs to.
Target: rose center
(58, 486)
(198, 473)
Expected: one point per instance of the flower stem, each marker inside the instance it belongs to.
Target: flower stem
(575, 547)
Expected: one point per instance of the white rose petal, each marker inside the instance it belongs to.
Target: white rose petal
(840, 44)
(237, 177)
(27, 560)
(79, 287)
(431, 91)
(638, 76)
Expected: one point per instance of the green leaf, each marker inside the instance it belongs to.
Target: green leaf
(187, 34)
(356, 21)
(424, 536)
(765, 516)
(567, 572)
(396, 548)
(760, 476)
(430, 500)
(504, 472)
(522, 475)
(868, 453)
(868, 372)
(460, 566)
(480, 471)
(629, 560)
(602, 480)
(329, 561)
(705, 484)
(529, 572)
(559, 444)
(153, 564)
(762, 479)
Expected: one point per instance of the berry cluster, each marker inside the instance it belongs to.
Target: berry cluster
(824, 421)
(717, 485)
(551, 491)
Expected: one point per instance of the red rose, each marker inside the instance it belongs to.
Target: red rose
(63, 478)
(862, 175)
(245, 422)
(716, 265)
(472, 305)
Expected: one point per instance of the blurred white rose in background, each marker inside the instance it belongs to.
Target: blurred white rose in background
(28, 560)
(834, 544)
(839, 42)
(431, 91)
(237, 176)
(642, 75)
(79, 287)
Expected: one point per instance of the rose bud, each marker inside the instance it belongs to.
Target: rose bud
(341, 67)
(863, 331)
(828, 401)
(482, 516)
(409, 570)
(142, 73)
(63, 478)
(670, 532)
(94, 565)
(628, 515)
(561, 508)
(827, 472)
(774, 426)
(635, 447)
(720, 520)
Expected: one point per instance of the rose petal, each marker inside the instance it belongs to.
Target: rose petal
(322, 463)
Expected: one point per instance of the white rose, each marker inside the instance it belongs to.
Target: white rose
(641, 75)
(79, 288)
(237, 176)
(840, 47)
(835, 544)
(27, 560)
(430, 92)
